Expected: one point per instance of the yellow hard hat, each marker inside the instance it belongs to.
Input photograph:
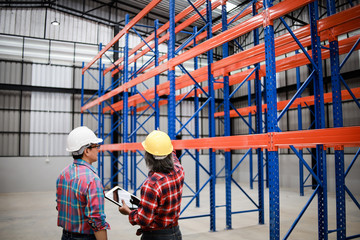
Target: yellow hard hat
(158, 143)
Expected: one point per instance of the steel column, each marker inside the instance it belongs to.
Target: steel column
(273, 160)
(100, 162)
(134, 131)
(126, 106)
(301, 165)
(259, 128)
(197, 130)
(134, 136)
(114, 157)
(319, 122)
(228, 175)
(157, 77)
(82, 96)
(211, 110)
(171, 72)
(338, 122)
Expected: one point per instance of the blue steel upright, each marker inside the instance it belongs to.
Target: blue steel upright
(211, 118)
(301, 165)
(259, 129)
(82, 96)
(157, 77)
(171, 72)
(338, 122)
(134, 136)
(125, 106)
(100, 126)
(273, 160)
(197, 130)
(319, 122)
(228, 169)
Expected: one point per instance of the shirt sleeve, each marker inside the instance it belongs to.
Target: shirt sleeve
(95, 206)
(177, 163)
(145, 214)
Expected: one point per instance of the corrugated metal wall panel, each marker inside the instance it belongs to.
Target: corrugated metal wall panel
(7, 25)
(33, 22)
(11, 47)
(47, 116)
(62, 53)
(11, 148)
(36, 50)
(105, 34)
(10, 121)
(9, 99)
(44, 123)
(51, 76)
(10, 73)
(25, 144)
(27, 73)
(26, 100)
(25, 121)
(84, 53)
(25, 22)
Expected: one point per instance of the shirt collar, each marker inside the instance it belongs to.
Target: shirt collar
(84, 163)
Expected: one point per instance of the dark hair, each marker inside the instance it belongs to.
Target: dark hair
(78, 156)
(164, 165)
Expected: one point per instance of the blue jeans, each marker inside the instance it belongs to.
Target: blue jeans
(77, 236)
(163, 234)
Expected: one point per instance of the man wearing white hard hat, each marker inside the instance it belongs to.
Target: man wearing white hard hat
(161, 193)
(79, 191)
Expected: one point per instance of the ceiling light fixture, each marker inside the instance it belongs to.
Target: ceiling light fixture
(55, 22)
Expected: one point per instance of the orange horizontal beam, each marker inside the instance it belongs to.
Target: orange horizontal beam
(132, 23)
(251, 56)
(281, 65)
(164, 38)
(336, 19)
(276, 11)
(288, 63)
(200, 74)
(204, 34)
(283, 44)
(126, 86)
(329, 137)
(162, 29)
(304, 101)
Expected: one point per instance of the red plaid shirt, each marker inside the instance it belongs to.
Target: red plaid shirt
(160, 199)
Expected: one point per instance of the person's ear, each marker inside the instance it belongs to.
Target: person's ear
(86, 151)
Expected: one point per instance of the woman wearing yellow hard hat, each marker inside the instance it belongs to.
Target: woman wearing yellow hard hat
(159, 208)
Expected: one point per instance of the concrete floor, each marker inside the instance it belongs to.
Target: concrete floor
(33, 216)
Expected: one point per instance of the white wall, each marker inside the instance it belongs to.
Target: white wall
(30, 174)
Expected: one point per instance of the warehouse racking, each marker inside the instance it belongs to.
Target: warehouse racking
(262, 64)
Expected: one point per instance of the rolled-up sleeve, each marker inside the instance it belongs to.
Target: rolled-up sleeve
(95, 206)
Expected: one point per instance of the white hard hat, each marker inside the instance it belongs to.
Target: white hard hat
(79, 137)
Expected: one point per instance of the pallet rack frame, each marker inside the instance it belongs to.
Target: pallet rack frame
(273, 139)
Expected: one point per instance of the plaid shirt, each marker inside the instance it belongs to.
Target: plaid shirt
(80, 199)
(160, 199)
